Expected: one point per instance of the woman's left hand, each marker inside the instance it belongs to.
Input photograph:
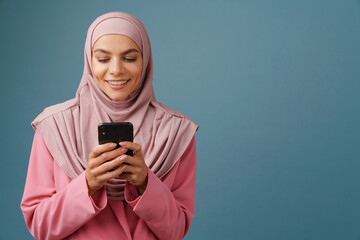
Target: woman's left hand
(136, 171)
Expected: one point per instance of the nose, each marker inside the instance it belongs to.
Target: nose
(116, 67)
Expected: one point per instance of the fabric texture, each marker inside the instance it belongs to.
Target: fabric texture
(58, 207)
(69, 129)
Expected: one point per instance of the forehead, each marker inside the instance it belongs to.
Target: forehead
(115, 43)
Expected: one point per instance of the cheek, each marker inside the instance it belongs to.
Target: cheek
(98, 70)
(137, 70)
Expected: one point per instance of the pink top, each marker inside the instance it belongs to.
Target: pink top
(57, 207)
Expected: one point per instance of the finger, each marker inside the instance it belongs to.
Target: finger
(118, 171)
(99, 149)
(132, 175)
(124, 175)
(109, 175)
(106, 156)
(131, 170)
(133, 161)
(110, 155)
(131, 145)
(108, 166)
(131, 178)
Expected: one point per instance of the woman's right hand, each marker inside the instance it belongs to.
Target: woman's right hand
(104, 163)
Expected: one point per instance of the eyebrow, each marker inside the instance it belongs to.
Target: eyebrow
(126, 52)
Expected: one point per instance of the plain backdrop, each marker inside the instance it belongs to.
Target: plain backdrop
(274, 86)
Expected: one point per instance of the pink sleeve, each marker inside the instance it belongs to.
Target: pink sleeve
(52, 213)
(167, 206)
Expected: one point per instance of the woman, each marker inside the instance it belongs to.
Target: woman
(78, 189)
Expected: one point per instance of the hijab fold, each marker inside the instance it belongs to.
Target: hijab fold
(69, 129)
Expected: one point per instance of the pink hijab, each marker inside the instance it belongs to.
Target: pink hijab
(69, 129)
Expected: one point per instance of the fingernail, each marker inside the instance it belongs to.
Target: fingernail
(122, 157)
(112, 144)
(123, 149)
(122, 144)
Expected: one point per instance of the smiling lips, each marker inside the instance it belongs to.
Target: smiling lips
(117, 84)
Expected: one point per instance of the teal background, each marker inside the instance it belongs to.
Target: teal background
(274, 86)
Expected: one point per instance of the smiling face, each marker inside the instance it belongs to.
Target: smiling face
(117, 65)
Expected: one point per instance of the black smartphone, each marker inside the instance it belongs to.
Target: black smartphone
(115, 133)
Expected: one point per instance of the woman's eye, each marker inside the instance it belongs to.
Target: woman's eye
(128, 59)
(103, 60)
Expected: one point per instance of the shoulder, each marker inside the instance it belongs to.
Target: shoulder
(166, 110)
(172, 113)
(55, 110)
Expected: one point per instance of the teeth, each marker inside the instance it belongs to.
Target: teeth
(117, 83)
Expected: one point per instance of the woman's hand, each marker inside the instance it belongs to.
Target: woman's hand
(104, 163)
(135, 171)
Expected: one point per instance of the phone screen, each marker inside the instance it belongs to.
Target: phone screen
(115, 133)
